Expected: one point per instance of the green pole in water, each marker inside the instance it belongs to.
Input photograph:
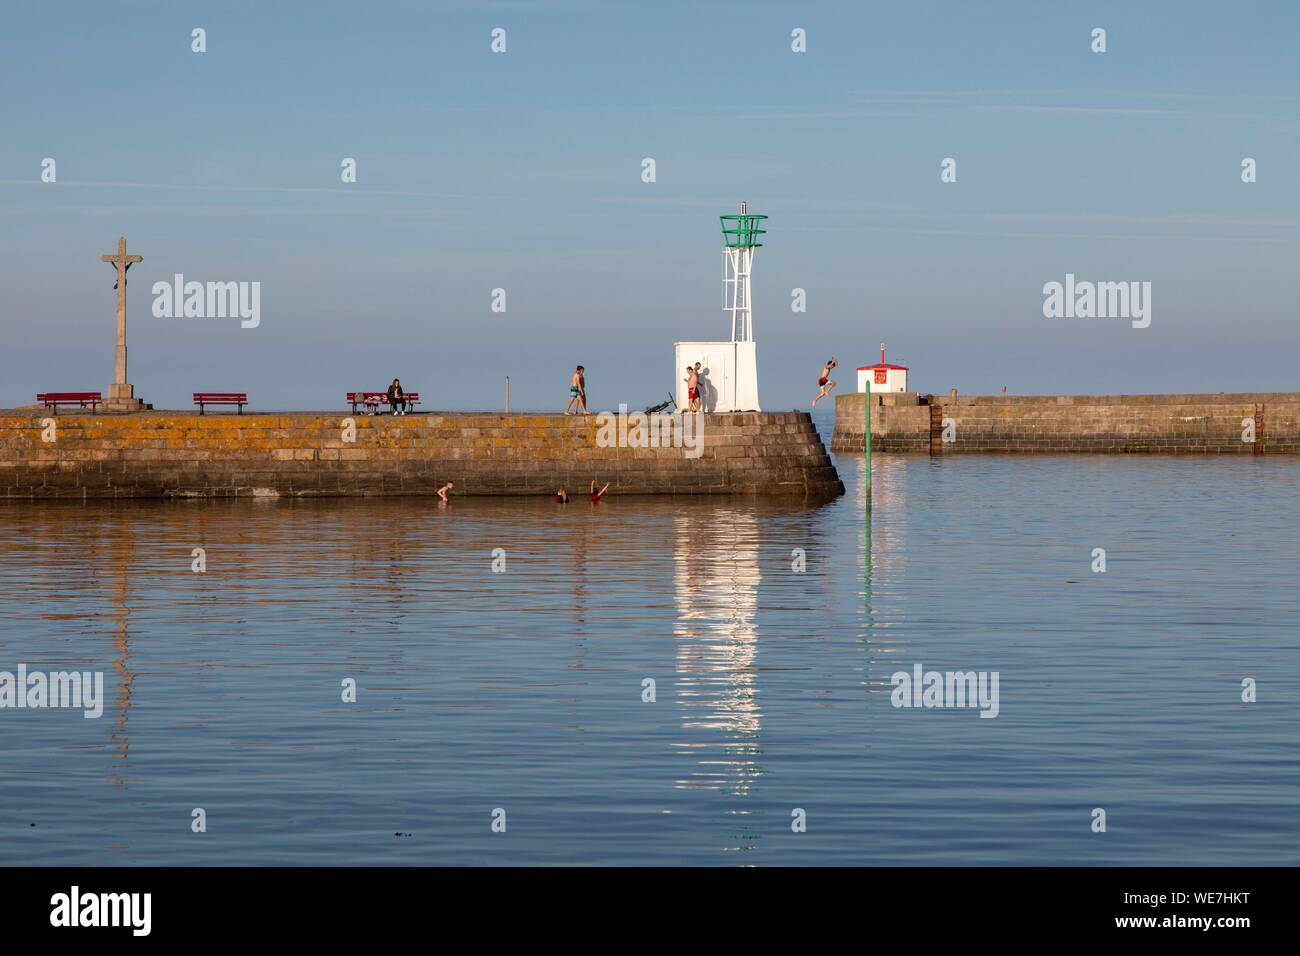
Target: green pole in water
(866, 428)
(866, 515)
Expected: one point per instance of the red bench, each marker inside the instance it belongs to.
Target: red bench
(221, 398)
(374, 399)
(55, 399)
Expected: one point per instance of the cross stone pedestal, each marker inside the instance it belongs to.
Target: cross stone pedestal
(121, 396)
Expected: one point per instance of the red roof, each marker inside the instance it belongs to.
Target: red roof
(881, 364)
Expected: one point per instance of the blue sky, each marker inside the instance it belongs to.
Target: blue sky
(522, 171)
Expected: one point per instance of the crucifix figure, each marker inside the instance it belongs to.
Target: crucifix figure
(120, 391)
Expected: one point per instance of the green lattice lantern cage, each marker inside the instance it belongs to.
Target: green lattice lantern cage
(741, 231)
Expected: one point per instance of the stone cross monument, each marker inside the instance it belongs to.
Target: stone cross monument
(121, 396)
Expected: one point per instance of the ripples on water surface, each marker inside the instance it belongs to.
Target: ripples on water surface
(522, 690)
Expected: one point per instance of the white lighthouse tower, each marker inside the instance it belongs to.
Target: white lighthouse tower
(729, 370)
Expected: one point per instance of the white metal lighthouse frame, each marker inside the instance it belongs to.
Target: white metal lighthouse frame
(737, 261)
(728, 371)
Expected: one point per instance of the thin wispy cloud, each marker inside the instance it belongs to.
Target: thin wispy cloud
(1139, 112)
(1006, 234)
(1094, 102)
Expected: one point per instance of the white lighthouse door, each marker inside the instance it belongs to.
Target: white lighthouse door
(715, 382)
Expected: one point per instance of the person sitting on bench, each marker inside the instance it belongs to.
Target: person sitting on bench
(396, 397)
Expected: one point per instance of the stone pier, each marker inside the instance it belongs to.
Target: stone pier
(1245, 423)
(182, 454)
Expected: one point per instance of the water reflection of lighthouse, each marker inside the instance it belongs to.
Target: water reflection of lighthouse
(716, 580)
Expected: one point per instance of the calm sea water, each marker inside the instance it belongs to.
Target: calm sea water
(522, 690)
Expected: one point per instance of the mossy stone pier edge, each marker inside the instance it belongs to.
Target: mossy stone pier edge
(161, 454)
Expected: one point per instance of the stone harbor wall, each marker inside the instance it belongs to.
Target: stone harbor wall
(897, 424)
(1250, 423)
(181, 454)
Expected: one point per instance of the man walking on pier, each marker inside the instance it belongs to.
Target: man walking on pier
(578, 391)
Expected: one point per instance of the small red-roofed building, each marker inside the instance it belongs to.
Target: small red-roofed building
(883, 376)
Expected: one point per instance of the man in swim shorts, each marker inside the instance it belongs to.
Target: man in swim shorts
(578, 390)
(825, 383)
